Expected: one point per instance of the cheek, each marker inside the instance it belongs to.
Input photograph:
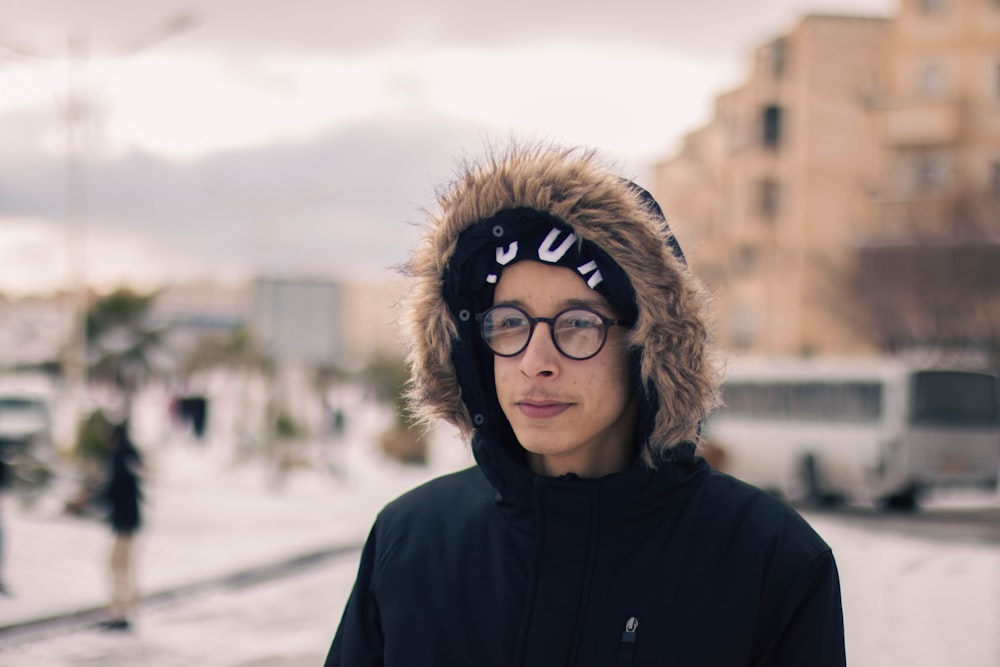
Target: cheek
(501, 375)
(616, 371)
(619, 383)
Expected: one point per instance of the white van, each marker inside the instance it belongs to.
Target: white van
(26, 402)
(871, 430)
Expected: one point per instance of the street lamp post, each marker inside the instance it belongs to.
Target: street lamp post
(77, 118)
(76, 113)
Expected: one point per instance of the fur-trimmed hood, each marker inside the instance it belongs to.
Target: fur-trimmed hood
(451, 373)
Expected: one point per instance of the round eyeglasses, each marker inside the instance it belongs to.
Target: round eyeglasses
(578, 333)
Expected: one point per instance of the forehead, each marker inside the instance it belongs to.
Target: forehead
(544, 286)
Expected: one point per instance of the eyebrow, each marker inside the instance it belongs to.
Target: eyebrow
(596, 304)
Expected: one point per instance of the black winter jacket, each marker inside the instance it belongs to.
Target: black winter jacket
(682, 566)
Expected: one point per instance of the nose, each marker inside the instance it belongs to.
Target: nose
(540, 357)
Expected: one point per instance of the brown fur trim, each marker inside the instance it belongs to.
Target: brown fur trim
(573, 185)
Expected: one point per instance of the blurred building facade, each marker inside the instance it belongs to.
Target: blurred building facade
(310, 322)
(301, 321)
(321, 323)
(849, 134)
(34, 330)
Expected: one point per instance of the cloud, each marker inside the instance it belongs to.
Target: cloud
(251, 28)
(342, 205)
(312, 132)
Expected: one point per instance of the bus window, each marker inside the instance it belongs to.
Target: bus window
(804, 401)
(837, 401)
(954, 398)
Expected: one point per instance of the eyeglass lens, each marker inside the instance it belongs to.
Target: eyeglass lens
(576, 332)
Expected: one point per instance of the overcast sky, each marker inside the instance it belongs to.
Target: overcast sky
(302, 137)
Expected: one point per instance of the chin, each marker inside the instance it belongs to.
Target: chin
(540, 443)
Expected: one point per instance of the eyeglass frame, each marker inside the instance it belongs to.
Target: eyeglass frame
(606, 322)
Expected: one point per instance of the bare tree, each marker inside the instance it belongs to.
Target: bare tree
(931, 279)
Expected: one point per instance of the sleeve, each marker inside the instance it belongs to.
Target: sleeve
(358, 641)
(804, 619)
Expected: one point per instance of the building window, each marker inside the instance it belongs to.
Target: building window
(932, 80)
(745, 260)
(933, 6)
(778, 56)
(930, 172)
(771, 134)
(735, 131)
(744, 327)
(769, 198)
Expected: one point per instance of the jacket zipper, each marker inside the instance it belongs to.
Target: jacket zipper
(589, 565)
(627, 648)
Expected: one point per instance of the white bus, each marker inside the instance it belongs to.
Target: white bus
(868, 430)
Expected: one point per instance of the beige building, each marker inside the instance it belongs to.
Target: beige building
(940, 121)
(847, 129)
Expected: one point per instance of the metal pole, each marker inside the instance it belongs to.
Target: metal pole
(77, 115)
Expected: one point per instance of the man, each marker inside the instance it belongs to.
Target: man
(554, 322)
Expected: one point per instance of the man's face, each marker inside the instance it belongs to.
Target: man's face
(571, 416)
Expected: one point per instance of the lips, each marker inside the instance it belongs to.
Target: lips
(534, 409)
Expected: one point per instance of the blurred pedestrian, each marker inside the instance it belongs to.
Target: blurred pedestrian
(554, 321)
(339, 422)
(6, 479)
(195, 410)
(121, 496)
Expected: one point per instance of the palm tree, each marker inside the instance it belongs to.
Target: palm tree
(123, 348)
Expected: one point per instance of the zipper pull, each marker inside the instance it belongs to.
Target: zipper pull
(627, 647)
(631, 625)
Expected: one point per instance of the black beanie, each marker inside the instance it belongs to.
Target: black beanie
(513, 235)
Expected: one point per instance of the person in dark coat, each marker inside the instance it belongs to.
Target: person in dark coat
(6, 479)
(554, 321)
(122, 497)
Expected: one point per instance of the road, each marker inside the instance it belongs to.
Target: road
(967, 524)
(283, 622)
(920, 589)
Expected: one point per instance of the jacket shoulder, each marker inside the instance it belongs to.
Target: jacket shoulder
(443, 491)
(799, 613)
(762, 518)
(438, 502)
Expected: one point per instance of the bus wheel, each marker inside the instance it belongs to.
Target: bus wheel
(904, 500)
(813, 492)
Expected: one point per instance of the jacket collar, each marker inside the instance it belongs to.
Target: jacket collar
(626, 495)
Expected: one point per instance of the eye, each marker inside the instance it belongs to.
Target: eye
(512, 321)
(577, 320)
(501, 320)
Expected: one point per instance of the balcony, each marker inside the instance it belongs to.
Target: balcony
(956, 216)
(922, 124)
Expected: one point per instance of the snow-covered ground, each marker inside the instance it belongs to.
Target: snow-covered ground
(914, 602)
(909, 601)
(210, 512)
(281, 623)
